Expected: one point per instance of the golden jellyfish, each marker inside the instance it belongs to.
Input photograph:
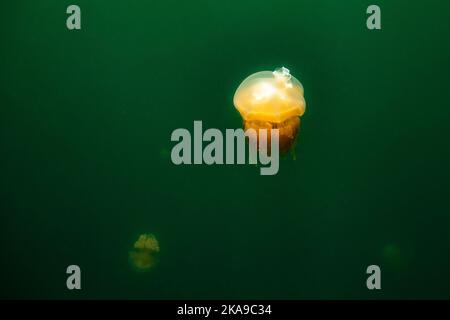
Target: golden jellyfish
(145, 251)
(272, 100)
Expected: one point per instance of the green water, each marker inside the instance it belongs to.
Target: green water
(85, 168)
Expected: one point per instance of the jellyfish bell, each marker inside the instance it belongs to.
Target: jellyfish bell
(270, 96)
(147, 242)
(272, 100)
(144, 254)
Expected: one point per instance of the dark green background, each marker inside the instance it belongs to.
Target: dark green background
(86, 118)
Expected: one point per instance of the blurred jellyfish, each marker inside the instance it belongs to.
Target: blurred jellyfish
(145, 251)
(393, 256)
(272, 100)
(164, 153)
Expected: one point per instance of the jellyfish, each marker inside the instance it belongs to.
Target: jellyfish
(145, 251)
(393, 256)
(272, 100)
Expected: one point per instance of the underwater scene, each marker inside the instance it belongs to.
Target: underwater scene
(224, 149)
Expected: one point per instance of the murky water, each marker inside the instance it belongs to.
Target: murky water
(86, 118)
